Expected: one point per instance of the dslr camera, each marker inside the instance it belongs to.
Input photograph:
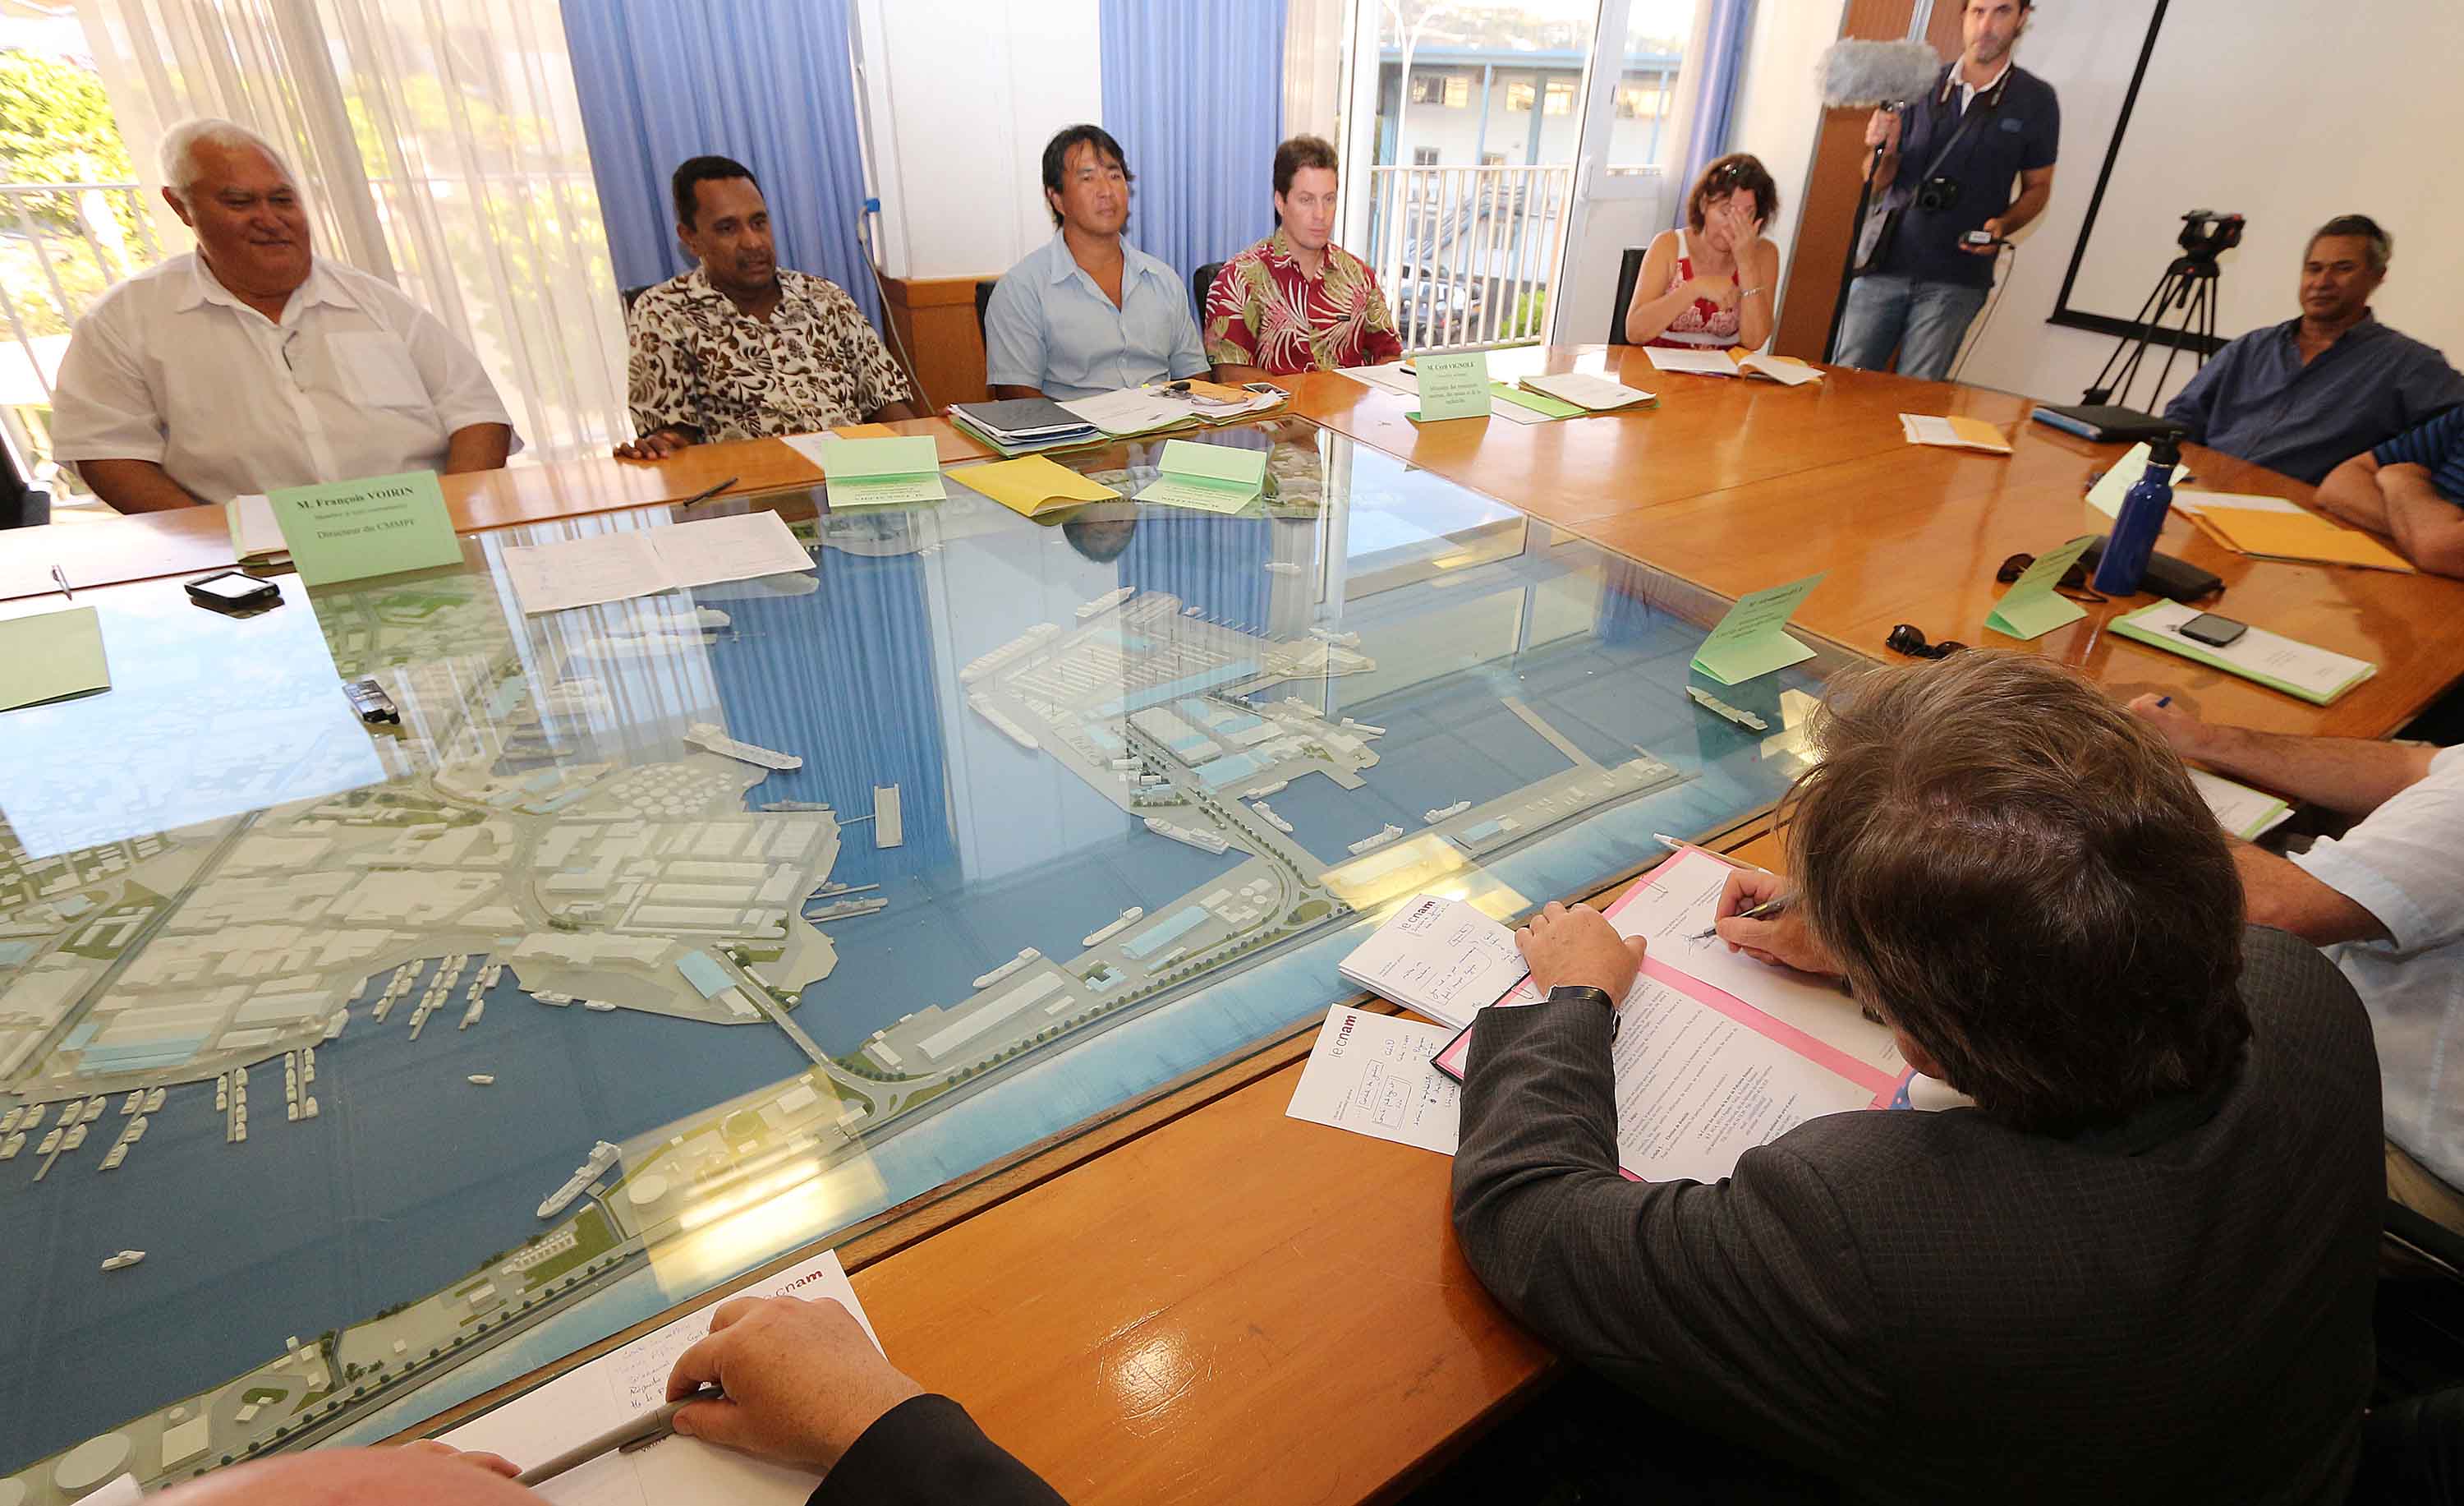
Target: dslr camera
(2206, 234)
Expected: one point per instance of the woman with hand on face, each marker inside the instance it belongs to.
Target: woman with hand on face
(1712, 286)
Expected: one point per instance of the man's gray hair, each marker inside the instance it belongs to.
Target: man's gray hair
(2378, 247)
(179, 150)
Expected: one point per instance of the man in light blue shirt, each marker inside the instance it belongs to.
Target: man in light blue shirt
(2386, 900)
(1087, 312)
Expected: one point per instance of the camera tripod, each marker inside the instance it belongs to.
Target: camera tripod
(2188, 283)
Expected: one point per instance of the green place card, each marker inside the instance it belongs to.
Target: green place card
(1749, 640)
(50, 655)
(1452, 386)
(2031, 607)
(377, 525)
(1215, 479)
(875, 473)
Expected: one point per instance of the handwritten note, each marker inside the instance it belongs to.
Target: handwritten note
(1370, 1074)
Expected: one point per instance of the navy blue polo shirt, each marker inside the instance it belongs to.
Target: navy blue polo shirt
(2258, 400)
(2437, 447)
(2019, 129)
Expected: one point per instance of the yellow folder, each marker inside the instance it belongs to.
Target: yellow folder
(1032, 483)
(2302, 537)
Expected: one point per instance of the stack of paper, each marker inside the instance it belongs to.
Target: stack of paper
(1954, 433)
(1439, 956)
(254, 534)
(875, 473)
(2315, 675)
(1213, 479)
(1015, 425)
(1030, 486)
(1718, 1054)
(2305, 537)
(643, 562)
(1595, 394)
(1697, 363)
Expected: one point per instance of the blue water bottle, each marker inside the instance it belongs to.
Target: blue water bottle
(2142, 518)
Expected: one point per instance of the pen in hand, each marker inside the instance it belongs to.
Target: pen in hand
(1768, 910)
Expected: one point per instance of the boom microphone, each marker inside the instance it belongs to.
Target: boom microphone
(1858, 75)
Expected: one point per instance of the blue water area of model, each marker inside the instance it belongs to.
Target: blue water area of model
(407, 1176)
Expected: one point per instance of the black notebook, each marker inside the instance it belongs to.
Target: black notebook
(1017, 418)
(2103, 422)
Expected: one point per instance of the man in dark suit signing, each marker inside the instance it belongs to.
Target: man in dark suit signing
(2138, 1269)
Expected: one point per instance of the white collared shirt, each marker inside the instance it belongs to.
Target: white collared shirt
(2404, 863)
(355, 380)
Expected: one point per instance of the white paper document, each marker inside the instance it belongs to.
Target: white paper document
(1132, 411)
(2242, 812)
(1392, 377)
(1700, 363)
(1439, 956)
(1370, 1074)
(1673, 904)
(584, 1402)
(1696, 1089)
(1581, 388)
(2259, 653)
(254, 534)
(2200, 501)
(643, 562)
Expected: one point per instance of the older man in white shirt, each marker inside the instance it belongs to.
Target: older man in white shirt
(2386, 900)
(252, 364)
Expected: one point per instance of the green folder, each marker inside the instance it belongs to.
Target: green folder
(1452, 386)
(1213, 478)
(377, 525)
(2031, 607)
(878, 473)
(1750, 641)
(50, 655)
(1538, 402)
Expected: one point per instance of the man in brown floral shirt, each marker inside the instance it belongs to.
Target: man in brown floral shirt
(739, 349)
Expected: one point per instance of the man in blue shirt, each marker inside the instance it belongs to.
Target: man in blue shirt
(2410, 489)
(2303, 396)
(1088, 313)
(1946, 168)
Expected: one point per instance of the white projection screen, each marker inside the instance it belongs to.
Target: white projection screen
(2291, 112)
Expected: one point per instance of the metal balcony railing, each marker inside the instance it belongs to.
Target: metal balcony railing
(1468, 255)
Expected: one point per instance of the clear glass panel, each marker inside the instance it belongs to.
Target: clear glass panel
(1075, 806)
(1642, 115)
(1476, 132)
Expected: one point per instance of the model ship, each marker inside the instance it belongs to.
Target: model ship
(601, 1157)
(124, 1260)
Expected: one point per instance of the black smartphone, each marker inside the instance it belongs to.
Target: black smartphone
(231, 590)
(2213, 630)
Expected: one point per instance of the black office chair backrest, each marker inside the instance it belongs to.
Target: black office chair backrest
(983, 301)
(1628, 271)
(22, 505)
(633, 295)
(1202, 285)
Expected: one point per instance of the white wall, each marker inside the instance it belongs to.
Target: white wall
(2291, 112)
(960, 97)
(1778, 112)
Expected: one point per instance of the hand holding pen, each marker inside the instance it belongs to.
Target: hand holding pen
(1758, 914)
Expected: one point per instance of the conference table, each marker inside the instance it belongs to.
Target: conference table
(1209, 1300)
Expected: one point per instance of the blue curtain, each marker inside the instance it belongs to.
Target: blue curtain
(1193, 90)
(1715, 93)
(764, 81)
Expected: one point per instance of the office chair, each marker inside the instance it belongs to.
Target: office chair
(1628, 271)
(21, 506)
(633, 295)
(1202, 285)
(983, 301)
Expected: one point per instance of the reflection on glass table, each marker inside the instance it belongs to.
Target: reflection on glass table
(664, 936)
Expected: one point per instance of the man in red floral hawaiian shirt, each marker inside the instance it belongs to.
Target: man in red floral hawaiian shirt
(1296, 301)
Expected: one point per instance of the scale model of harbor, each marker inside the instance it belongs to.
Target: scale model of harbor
(200, 954)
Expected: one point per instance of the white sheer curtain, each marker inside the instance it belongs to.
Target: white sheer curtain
(441, 146)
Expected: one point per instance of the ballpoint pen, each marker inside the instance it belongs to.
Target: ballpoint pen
(708, 493)
(1769, 909)
(64, 583)
(634, 1433)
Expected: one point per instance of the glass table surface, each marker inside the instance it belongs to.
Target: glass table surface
(666, 937)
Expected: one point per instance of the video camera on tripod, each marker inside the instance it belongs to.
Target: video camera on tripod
(2190, 284)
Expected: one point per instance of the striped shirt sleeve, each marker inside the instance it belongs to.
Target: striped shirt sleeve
(2431, 445)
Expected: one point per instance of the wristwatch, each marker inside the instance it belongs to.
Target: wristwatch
(1582, 993)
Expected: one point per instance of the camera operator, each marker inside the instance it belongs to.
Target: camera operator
(1944, 176)
(2304, 396)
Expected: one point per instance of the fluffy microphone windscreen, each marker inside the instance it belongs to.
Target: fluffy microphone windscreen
(1862, 74)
